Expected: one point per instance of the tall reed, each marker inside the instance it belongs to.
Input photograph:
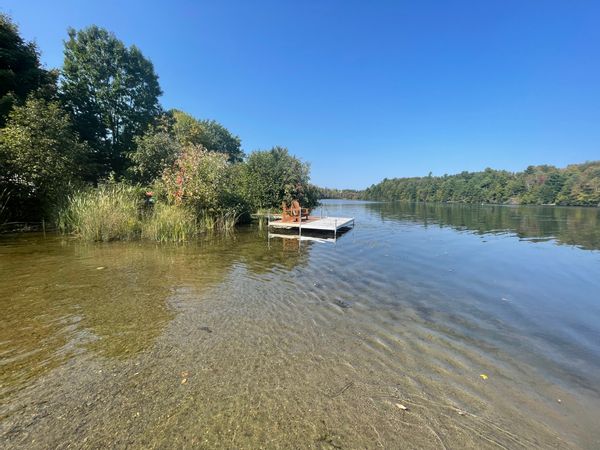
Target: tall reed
(4, 197)
(107, 213)
(115, 211)
(222, 221)
(169, 223)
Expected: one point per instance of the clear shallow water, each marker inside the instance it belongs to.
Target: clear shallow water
(255, 343)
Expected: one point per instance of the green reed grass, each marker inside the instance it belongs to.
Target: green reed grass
(115, 211)
(4, 197)
(107, 213)
(223, 221)
(170, 223)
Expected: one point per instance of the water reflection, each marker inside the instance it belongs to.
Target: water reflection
(566, 225)
(60, 297)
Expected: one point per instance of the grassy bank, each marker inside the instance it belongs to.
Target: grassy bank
(118, 211)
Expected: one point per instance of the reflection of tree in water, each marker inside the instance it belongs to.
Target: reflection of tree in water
(112, 299)
(568, 225)
(58, 299)
(33, 336)
(128, 307)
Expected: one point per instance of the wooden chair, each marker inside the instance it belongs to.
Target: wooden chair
(298, 212)
(286, 213)
(295, 213)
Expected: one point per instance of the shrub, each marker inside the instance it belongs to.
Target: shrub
(198, 178)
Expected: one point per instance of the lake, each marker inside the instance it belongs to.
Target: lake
(426, 326)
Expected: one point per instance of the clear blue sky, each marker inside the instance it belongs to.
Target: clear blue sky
(365, 90)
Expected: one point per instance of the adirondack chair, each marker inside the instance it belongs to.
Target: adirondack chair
(295, 213)
(298, 212)
(286, 213)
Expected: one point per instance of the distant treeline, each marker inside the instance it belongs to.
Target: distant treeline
(576, 185)
(349, 194)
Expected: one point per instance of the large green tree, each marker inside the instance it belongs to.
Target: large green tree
(20, 70)
(273, 176)
(40, 158)
(210, 134)
(112, 92)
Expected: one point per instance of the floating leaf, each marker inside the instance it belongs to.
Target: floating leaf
(483, 376)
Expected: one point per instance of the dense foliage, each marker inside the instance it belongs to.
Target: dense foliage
(40, 157)
(83, 148)
(275, 175)
(155, 151)
(20, 70)
(577, 184)
(208, 133)
(202, 180)
(112, 93)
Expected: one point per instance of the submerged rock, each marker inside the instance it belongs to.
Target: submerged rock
(342, 304)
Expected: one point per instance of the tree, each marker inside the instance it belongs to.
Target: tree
(156, 150)
(273, 176)
(41, 157)
(208, 133)
(20, 69)
(551, 188)
(112, 92)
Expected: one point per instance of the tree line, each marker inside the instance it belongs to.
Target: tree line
(98, 120)
(332, 193)
(575, 185)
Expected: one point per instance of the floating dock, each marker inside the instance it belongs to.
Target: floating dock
(315, 224)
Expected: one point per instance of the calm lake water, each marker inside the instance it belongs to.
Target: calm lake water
(250, 342)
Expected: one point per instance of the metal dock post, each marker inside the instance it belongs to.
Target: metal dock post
(335, 230)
